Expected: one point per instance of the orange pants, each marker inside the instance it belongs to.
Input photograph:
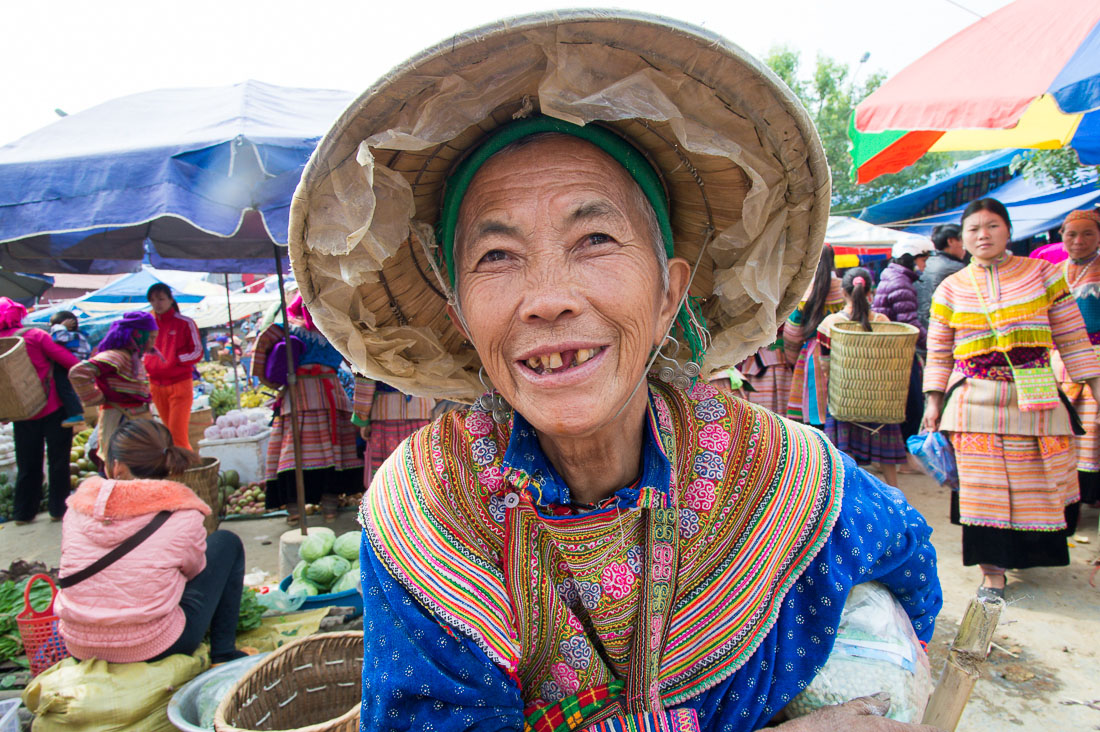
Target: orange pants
(174, 408)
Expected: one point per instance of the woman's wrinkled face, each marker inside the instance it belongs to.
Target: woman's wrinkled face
(559, 283)
(985, 236)
(1081, 238)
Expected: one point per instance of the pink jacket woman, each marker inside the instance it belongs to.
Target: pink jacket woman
(130, 611)
(45, 428)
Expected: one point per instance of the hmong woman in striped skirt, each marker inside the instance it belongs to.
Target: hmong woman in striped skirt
(825, 297)
(385, 417)
(990, 387)
(329, 463)
(1081, 238)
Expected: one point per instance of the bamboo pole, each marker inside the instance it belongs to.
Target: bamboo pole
(291, 382)
(964, 664)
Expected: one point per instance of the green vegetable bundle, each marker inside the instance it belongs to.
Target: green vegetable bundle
(251, 612)
(11, 604)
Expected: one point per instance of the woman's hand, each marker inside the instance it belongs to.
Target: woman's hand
(933, 406)
(364, 432)
(865, 714)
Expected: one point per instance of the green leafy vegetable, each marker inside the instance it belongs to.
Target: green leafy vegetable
(251, 612)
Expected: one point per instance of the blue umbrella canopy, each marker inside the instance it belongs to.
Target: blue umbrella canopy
(197, 179)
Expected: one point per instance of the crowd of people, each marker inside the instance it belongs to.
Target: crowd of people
(1005, 364)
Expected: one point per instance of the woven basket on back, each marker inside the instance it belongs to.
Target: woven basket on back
(21, 393)
(310, 685)
(203, 479)
(869, 371)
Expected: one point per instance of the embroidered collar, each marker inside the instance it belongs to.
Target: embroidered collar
(526, 466)
(996, 263)
(1086, 260)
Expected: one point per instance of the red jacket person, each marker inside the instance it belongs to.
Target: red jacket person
(178, 348)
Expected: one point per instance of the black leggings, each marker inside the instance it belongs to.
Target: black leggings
(29, 437)
(212, 600)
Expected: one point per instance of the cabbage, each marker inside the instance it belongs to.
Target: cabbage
(299, 569)
(327, 570)
(355, 564)
(348, 581)
(303, 587)
(347, 546)
(316, 545)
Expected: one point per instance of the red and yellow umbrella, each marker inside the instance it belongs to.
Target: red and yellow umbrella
(1026, 76)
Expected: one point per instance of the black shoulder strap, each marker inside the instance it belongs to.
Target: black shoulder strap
(128, 545)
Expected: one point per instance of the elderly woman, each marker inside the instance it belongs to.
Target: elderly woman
(590, 545)
(1081, 238)
(990, 385)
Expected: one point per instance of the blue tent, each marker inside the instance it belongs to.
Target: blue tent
(132, 289)
(196, 179)
(1034, 207)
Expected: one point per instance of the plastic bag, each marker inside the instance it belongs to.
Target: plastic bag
(277, 601)
(936, 457)
(875, 650)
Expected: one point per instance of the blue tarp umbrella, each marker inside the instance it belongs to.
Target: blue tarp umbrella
(196, 179)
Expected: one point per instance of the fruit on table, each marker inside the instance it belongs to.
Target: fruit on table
(246, 500)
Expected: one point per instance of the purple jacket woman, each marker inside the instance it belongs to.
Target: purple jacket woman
(896, 297)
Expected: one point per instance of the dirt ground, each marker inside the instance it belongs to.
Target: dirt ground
(1042, 673)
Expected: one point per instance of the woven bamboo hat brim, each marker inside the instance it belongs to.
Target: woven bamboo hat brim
(739, 157)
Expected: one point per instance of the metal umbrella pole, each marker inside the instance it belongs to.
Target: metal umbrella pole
(233, 353)
(291, 382)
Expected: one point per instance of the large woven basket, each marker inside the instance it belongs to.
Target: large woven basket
(203, 479)
(309, 685)
(869, 371)
(21, 393)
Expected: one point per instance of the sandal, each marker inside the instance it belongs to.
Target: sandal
(991, 593)
(293, 515)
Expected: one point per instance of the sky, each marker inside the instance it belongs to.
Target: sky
(75, 54)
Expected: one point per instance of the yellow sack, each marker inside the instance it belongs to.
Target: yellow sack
(96, 696)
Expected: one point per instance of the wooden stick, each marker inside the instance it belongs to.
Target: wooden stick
(964, 664)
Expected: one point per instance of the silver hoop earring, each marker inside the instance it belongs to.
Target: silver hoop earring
(679, 376)
(492, 402)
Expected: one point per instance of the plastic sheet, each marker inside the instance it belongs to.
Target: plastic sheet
(875, 650)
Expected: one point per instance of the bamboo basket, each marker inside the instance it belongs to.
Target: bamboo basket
(869, 371)
(203, 479)
(196, 427)
(310, 685)
(21, 393)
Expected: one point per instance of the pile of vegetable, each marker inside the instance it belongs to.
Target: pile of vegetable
(11, 604)
(80, 466)
(329, 563)
(252, 398)
(238, 423)
(244, 500)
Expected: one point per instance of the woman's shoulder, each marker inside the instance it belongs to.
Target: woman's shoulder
(131, 498)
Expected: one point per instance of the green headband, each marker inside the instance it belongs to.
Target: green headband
(622, 151)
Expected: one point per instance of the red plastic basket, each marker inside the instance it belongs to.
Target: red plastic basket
(41, 639)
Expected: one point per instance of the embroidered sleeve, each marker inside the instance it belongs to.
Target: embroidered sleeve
(83, 379)
(421, 675)
(1067, 327)
(364, 398)
(941, 343)
(890, 542)
(792, 337)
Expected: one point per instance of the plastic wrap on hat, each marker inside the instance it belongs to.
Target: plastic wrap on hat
(738, 155)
